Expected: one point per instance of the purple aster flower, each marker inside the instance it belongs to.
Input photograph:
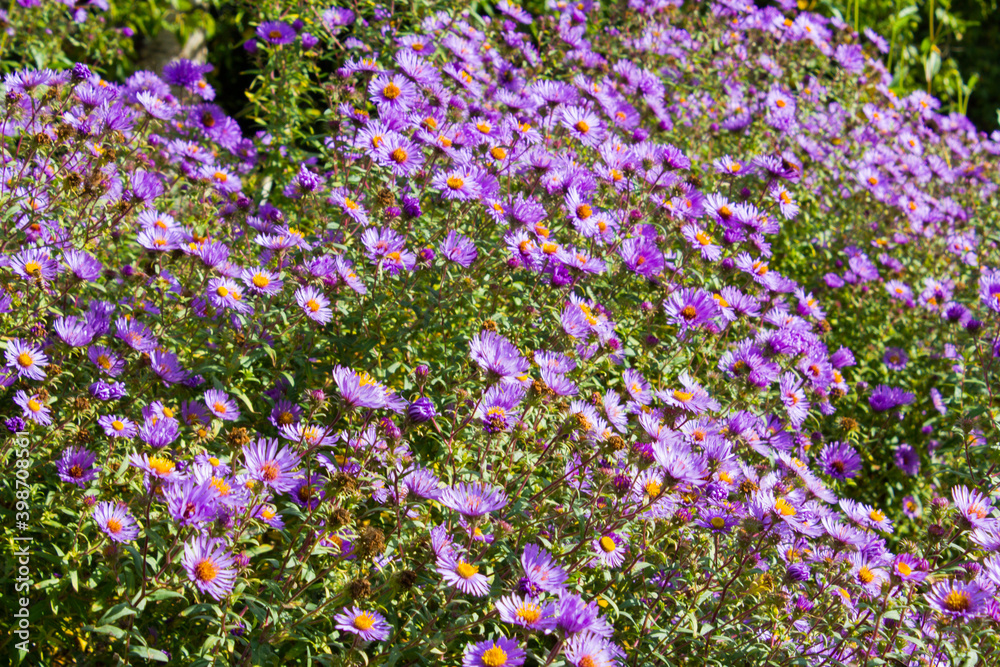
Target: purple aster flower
(462, 575)
(261, 281)
(642, 256)
(210, 566)
(689, 308)
(33, 408)
(118, 427)
(583, 125)
(74, 331)
(159, 432)
(610, 549)
(308, 492)
(190, 502)
(393, 92)
(574, 615)
(82, 265)
(34, 263)
(839, 460)
(501, 652)
(974, 507)
(107, 391)
(473, 499)
(421, 410)
(368, 625)
(497, 407)
(314, 304)
(276, 32)
(167, 366)
(957, 600)
(895, 358)
(908, 567)
(907, 458)
(26, 359)
(359, 390)
(77, 466)
(116, 522)
(459, 249)
(527, 613)
(184, 73)
(794, 398)
(886, 398)
(106, 360)
(270, 465)
(220, 405)
(135, 334)
(541, 573)
(586, 648)
(498, 356)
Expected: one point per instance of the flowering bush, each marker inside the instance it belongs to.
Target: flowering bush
(638, 335)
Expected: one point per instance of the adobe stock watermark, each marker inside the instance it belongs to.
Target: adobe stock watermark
(22, 554)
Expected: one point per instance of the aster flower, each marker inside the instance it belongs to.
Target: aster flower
(886, 398)
(118, 427)
(459, 249)
(526, 613)
(583, 125)
(368, 625)
(314, 304)
(271, 465)
(717, 520)
(220, 405)
(473, 499)
(462, 575)
(393, 92)
(457, 183)
(359, 390)
(276, 33)
(159, 467)
(261, 281)
(573, 615)
(895, 358)
(33, 408)
(501, 652)
(586, 649)
(909, 568)
(497, 355)
(794, 398)
(610, 549)
(76, 466)
(210, 566)
(116, 522)
(26, 359)
(74, 331)
(497, 407)
(839, 460)
(135, 334)
(907, 458)
(190, 502)
(957, 600)
(541, 574)
(34, 263)
(974, 507)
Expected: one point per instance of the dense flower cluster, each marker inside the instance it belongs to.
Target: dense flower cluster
(546, 350)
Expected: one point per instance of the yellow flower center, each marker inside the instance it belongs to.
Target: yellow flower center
(498, 153)
(494, 657)
(608, 544)
(877, 516)
(582, 127)
(114, 526)
(454, 182)
(117, 425)
(206, 571)
(160, 465)
(34, 405)
(783, 508)
(465, 570)
(529, 613)
(683, 396)
(718, 522)
(364, 621)
(865, 576)
(392, 91)
(260, 280)
(904, 569)
(312, 305)
(222, 291)
(25, 359)
(32, 268)
(957, 601)
(583, 211)
(399, 156)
